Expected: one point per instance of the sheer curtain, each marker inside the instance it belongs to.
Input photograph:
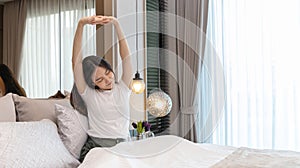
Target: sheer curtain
(47, 52)
(257, 42)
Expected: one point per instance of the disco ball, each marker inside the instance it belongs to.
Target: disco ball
(159, 104)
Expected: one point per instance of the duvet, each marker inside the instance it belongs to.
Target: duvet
(172, 151)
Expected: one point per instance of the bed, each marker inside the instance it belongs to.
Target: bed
(49, 133)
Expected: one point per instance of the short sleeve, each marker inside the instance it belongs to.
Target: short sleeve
(87, 92)
(124, 88)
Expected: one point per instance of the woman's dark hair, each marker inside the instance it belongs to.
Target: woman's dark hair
(77, 101)
(89, 65)
(11, 84)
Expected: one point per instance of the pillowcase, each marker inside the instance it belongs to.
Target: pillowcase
(37, 109)
(33, 144)
(72, 128)
(7, 111)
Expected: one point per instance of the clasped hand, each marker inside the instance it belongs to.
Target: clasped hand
(99, 19)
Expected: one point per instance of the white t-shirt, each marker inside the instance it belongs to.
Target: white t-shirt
(108, 111)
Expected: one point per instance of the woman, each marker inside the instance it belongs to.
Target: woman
(8, 83)
(106, 101)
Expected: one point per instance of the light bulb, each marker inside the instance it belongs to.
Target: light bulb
(137, 84)
(159, 104)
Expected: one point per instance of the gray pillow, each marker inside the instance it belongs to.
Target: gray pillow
(28, 109)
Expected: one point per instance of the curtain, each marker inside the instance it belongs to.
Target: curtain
(14, 17)
(51, 25)
(257, 43)
(187, 27)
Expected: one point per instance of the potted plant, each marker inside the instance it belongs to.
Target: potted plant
(143, 129)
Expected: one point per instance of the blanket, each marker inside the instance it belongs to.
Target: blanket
(254, 158)
(162, 151)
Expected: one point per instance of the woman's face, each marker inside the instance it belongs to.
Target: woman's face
(104, 78)
(2, 88)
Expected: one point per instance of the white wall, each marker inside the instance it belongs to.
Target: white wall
(126, 14)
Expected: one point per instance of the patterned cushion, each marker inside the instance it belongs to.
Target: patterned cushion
(72, 128)
(33, 144)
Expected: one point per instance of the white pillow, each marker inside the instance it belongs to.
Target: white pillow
(7, 109)
(72, 128)
(33, 144)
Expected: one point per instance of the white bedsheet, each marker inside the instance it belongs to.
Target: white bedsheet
(162, 151)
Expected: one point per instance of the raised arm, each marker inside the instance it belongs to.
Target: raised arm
(124, 53)
(77, 49)
(77, 57)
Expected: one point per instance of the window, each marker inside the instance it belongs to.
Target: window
(257, 43)
(47, 51)
(156, 77)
